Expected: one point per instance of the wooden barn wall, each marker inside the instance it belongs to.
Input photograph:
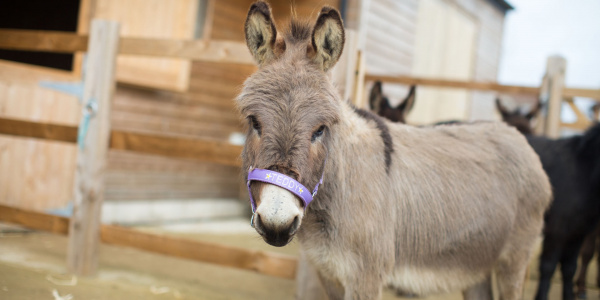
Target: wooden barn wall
(35, 174)
(488, 52)
(391, 41)
(168, 19)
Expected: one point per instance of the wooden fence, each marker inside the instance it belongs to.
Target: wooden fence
(552, 85)
(95, 138)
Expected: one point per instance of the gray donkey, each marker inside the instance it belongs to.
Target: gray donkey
(426, 210)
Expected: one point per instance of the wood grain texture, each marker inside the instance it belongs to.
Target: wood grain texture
(35, 174)
(268, 263)
(46, 131)
(88, 191)
(213, 151)
(34, 220)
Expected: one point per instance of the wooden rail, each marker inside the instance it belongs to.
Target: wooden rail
(46, 131)
(268, 263)
(486, 86)
(65, 42)
(212, 151)
(202, 150)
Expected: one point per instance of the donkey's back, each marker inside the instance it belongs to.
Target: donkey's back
(470, 197)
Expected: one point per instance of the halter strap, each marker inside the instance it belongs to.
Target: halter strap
(283, 181)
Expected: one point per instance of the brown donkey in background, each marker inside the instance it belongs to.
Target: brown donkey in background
(380, 104)
(425, 210)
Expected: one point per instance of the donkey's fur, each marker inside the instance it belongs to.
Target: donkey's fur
(456, 202)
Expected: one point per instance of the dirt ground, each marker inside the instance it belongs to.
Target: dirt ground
(32, 266)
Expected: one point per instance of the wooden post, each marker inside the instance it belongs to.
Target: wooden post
(99, 86)
(555, 72)
(358, 95)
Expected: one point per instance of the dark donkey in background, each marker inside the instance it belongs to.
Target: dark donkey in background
(425, 210)
(380, 104)
(573, 165)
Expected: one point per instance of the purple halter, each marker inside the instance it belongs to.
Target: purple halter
(283, 181)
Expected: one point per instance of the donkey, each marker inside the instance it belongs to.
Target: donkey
(573, 165)
(380, 104)
(517, 119)
(426, 210)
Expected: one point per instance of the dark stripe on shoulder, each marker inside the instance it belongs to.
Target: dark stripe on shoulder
(384, 132)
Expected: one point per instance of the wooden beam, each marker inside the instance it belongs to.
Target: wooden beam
(99, 88)
(555, 71)
(262, 262)
(202, 150)
(53, 132)
(472, 85)
(212, 151)
(577, 92)
(358, 95)
(34, 220)
(582, 120)
(37, 40)
(268, 263)
(200, 50)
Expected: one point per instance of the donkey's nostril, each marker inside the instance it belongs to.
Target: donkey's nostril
(295, 225)
(258, 223)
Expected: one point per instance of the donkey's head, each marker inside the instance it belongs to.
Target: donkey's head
(517, 119)
(290, 107)
(380, 104)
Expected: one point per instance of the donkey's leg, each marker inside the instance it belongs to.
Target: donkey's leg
(568, 267)
(308, 284)
(333, 288)
(480, 291)
(511, 276)
(514, 262)
(551, 253)
(587, 252)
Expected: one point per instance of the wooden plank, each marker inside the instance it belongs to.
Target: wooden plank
(358, 96)
(202, 150)
(268, 263)
(37, 40)
(53, 132)
(259, 261)
(555, 71)
(99, 86)
(200, 50)
(34, 220)
(473, 85)
(579, 92)
(212, 151)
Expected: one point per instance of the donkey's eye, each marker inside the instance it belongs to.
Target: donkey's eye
(255, 125)
(318, 133)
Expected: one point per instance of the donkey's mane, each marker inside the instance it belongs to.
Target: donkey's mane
(298, 31)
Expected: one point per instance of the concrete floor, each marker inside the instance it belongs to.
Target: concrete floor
(32, 266)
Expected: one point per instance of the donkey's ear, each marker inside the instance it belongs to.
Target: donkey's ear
(376, 96)
(408, 102)
(261, 33)
(535, 110)
(328, 38)
(501, 109)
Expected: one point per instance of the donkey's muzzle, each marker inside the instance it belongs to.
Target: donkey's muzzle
(277, 236)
